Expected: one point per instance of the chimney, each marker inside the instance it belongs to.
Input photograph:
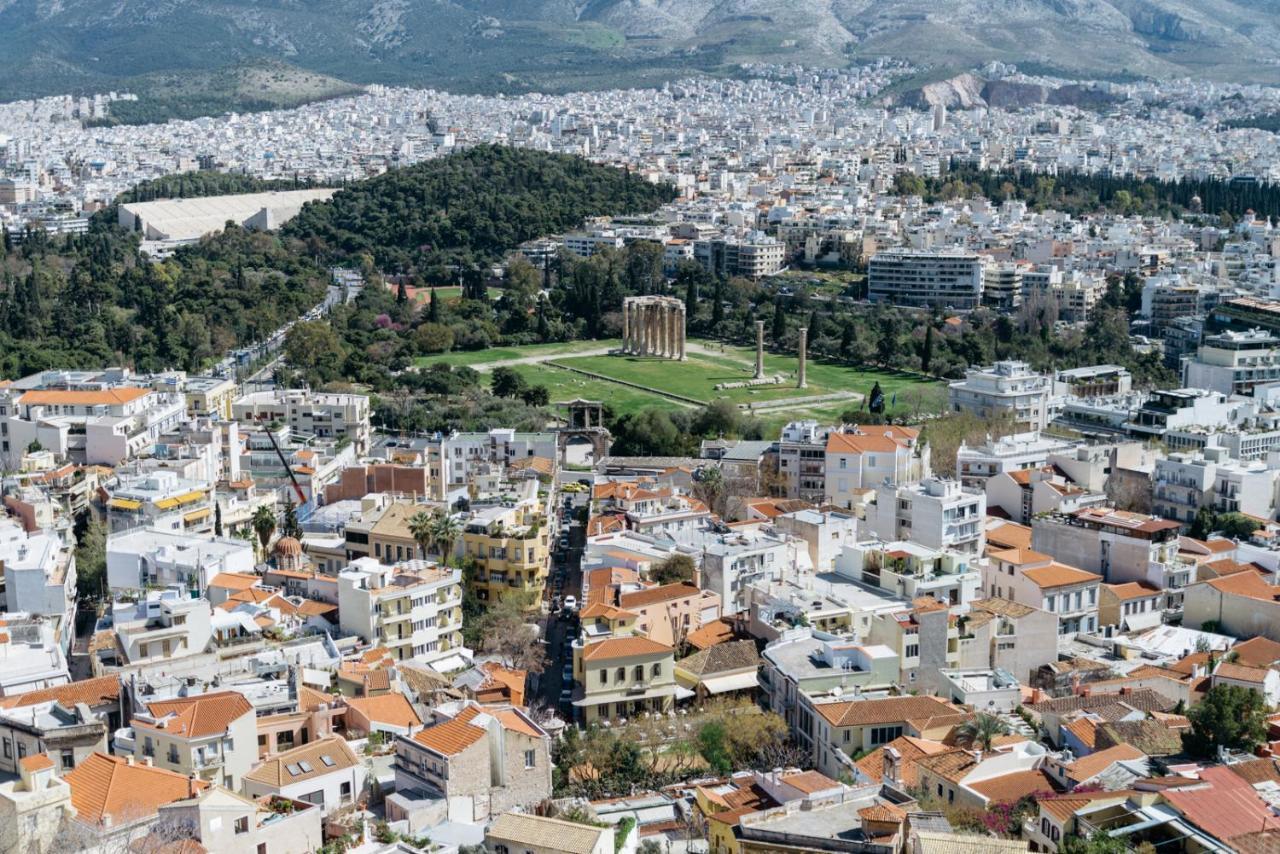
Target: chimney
(1126, 691)
(977, 756)
(147, 761)
(129, 759)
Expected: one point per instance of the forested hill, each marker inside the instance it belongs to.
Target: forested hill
(194, 185)
(470, 208)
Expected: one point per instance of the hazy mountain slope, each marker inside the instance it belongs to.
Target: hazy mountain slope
(60, 45)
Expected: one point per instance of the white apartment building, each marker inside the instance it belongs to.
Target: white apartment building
(162, 626)
(413, 608)
(926, 279)
(1249, 488)
(308, 413)
(456, 458)
(1037, 580)
(584, 244)
(1234, 362)
(1002, 285)
(1015, 452)
(752, 255)
(163, 500)
(98, 422)
(1183, 482)
(936, 513)
(731, 563)
(1006, 390)
(862, 458)
(153, 557)
(39, 575)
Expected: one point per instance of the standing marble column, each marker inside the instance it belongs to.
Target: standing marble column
(683, 321)
(759, 349)
(626, 326)
(804, 346)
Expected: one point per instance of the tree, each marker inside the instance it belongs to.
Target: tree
(506, 633)
(713, 746)
(1203, 523)
(91, 557)
(980, 731)
(536, 395)
(433, 307)
(1228, 716)
(433, 338)
(289, 526)
(779, 330)
(926, 352)
(447, 529)
(506, 382)
(875, 400)
(264, 525)
(674, 569)
(709, 488)
(217, 520)
(313, 347)
(846, 340)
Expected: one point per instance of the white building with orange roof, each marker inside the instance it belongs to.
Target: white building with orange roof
(212, 737)
(622, 677)
(863, 457)
(85, 418)
(1037, 580)
(116, 799)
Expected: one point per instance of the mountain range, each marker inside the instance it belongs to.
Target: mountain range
(51, 46)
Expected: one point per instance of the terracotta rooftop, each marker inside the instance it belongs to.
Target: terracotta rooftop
(1132, 590)
(108, 786)
(450, 737)
(1010, 788)
(325, 756)
(91, 692)
(392, 709)
(657, 595)
(198, 716)
(882, 711)
(612, 648)
(1059, 575)
(1088, 767)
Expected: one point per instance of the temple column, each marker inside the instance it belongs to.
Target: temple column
(626, 326)
(759, 349)
(804, 346)
(683, 332)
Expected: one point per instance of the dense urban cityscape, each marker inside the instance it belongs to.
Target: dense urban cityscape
(808, 460)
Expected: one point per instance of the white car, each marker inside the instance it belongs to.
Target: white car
(571, 603)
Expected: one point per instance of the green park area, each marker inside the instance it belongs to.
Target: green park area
(586, 369)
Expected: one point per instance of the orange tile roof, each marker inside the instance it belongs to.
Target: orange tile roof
(1241, 673)
(1009, 535)
(274, 770)
(450, 737)
(623, 648)
(516, 722)
(715, 632)
(199, 716)
(1132, 590)
(1018, 557)
(1256, 652)
(909, 750)
(391, 709)
(871, 439)
(108, 786)
(1009, 788)
(882, 813)
(38, 762)
(61, 397)
(235, 580)
(882, 711)
(1088, 767)
(809, 781)
(1085, 729)
(91, 692)
(1059, 575)
(657, 595)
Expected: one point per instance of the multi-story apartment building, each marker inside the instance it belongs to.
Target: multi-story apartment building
(1006, 390)
(926, 279)
(38, 574)
(1167, 411)
(84, 418)
(163, 500)
(146, 557)
(1094, 381)
(1234, 362)
(162, 626)
(209, 397)
(751, 255)
(510, 547)
(414, 608)
(936, 513)
(1009, 635)
(861, 458)
(481, 761)
(1117, 545)
(731, 563)
(911, 570)
(1039, 581)
(1002, 285)
(926, 639)
(211, 737)
(802, 460)
(825, 532)
(311, 414)
(455, 459)
(382, 532)
(1252, 488)
(1015, 452)
(1182, 483)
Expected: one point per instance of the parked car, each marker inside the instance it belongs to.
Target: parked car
(571, 603)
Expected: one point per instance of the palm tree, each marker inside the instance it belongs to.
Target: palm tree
(446, 530)
(980, 731)
(264, 525)
(422, 527)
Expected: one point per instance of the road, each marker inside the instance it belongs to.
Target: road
(559, 628)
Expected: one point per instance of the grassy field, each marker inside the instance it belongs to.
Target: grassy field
(707, 365)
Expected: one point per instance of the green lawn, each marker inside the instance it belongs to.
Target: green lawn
(697, 377)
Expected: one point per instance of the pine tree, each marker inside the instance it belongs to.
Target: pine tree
(691, 299)
(779, 322)
(402, 294)
(217, 520)
(717, 306)
(926, 353)
(846, 340)
(433, 307)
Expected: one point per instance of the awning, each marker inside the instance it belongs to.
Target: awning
(683, 693)
(196, 515)
(124, 504)
(179, 500)
(730, 682)
(1141, 622)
